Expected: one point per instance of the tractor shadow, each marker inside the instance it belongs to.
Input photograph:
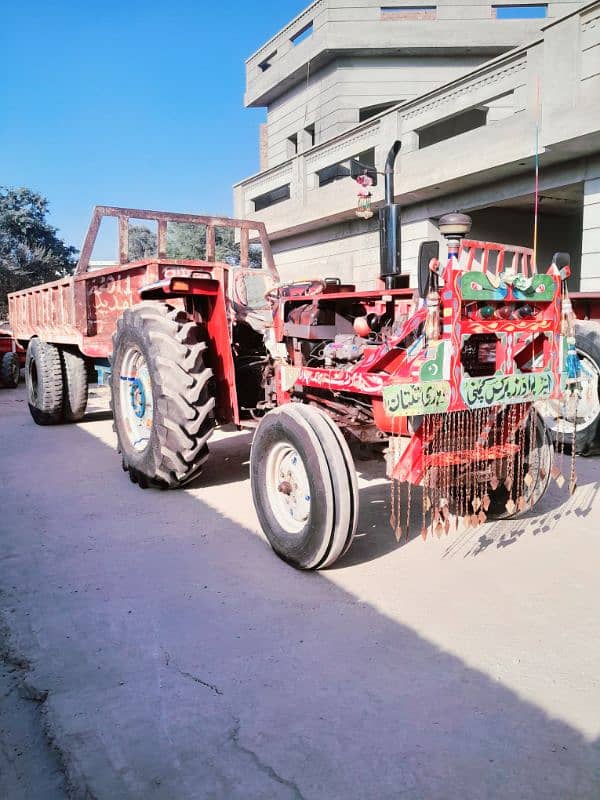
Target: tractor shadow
(228, 462)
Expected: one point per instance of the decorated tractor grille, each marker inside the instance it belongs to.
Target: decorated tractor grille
(495, 343)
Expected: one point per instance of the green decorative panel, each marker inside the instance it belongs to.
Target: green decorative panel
(540, 288)
(406, 399)
(476, 285)
(501, 390)
(432, 369)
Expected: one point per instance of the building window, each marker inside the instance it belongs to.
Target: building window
(350, 168)
(271, 198)
(538, 11)
(453, 126)
(371, 111)
(309, 137)
(265, 64)
(408, 12)
(302, 34)
(292, 145)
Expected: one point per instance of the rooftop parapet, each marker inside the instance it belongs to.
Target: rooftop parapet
(327, 29)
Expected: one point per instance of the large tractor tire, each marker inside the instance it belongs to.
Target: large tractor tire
(10, 371)
(587, 408)
(44, 381)
(304, 486)
(75, 378)
(162, 399)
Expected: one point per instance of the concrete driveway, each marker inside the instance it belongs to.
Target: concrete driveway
(177, 657)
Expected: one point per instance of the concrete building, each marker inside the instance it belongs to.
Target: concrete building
(468, 89)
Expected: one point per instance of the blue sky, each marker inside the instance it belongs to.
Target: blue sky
(130, 103)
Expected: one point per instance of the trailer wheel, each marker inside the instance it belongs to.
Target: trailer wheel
(10, 370)
(161, 394)
(75, 379)
(587, 336)
(538, 463)
(44, 381)
(304, 486)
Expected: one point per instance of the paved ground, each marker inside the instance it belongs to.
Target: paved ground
(179, 658)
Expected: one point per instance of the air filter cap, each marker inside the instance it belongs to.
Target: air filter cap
(455, 224)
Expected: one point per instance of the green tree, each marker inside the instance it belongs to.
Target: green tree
(187, 240)
(30, 250)
(142, 243)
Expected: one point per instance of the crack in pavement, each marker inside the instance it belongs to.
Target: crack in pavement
(267, 769)
(190, 675)
(196, 679)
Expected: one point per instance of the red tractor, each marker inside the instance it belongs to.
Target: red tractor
(443, 379)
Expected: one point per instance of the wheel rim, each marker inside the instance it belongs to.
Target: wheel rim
(288, 488)
(584, 411)
(135, 395)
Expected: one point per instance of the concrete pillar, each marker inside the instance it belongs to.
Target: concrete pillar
(590, 240)
(410, 141)
(264, 146)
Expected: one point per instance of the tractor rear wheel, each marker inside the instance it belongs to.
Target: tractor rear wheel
(304, 486)
(44, 381)
(162, 398)
(581, 421)
(10, 370)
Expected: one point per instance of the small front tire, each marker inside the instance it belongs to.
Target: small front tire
(303, 486)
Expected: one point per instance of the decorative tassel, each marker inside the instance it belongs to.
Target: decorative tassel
(572, 363)
(567, 323)
(432, 322)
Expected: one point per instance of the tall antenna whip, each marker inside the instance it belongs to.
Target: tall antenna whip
(536, 205)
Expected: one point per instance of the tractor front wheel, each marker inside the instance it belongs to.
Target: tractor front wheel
(161, 393)
(304, 486)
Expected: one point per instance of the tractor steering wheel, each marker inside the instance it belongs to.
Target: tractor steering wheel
(313, 286)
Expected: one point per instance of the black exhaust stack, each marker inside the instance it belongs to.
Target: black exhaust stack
(390, 235)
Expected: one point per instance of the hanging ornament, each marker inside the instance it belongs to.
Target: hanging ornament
(432, 321)
(572, 363)
(567, 321)
(364, 196)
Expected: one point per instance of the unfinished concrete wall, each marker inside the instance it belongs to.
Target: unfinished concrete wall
(349, 251)
(590, 243)
(331, 99)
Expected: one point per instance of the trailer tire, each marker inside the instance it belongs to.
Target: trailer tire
(75, 377)
(44, 380)
(296, 454)
(162, 346)
(10, 370)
